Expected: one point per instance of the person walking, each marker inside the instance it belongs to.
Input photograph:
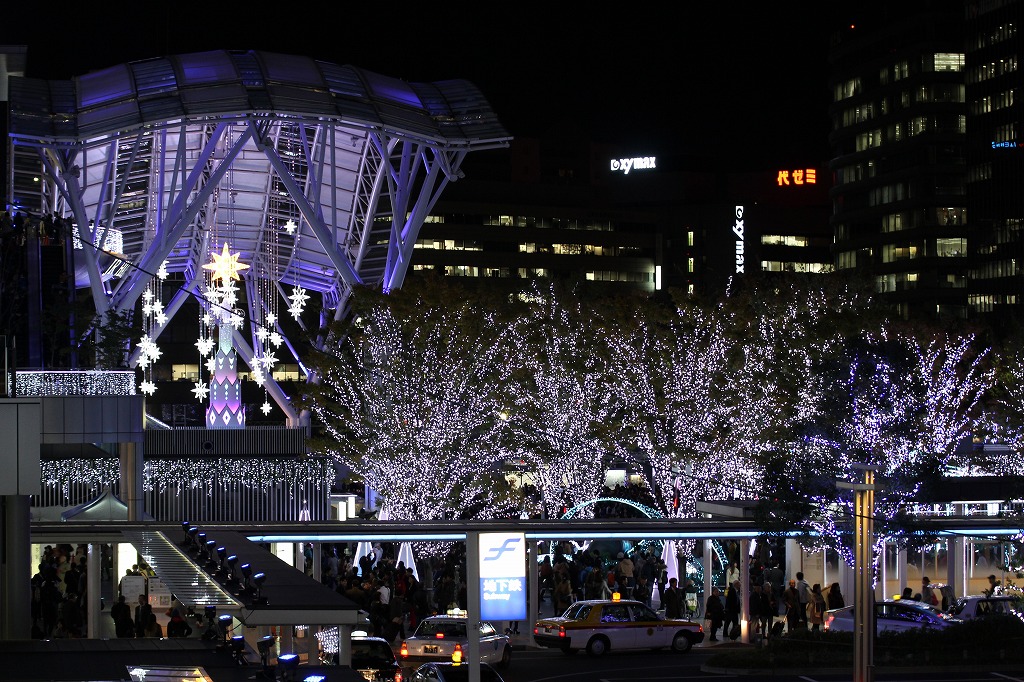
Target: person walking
(755, 608)
(927, 594)
(816, 608)
(714, 611)
(673, 600)
(803, 589)
(690, 599)
(835, 597)
(731, 625)
(178, 626)
(142, 614)
(791, 598)
(769, 608)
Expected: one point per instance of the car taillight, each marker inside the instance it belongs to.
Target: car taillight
(398, 676)
(404, 651)
(561, 631)
(439, 635)
(536, 630)
(828, 622)
(457, 654)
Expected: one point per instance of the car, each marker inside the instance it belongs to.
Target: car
(453, 672)
(372, 657)
(982, 606)
(602, 625)
(437, 637)
(893, 615)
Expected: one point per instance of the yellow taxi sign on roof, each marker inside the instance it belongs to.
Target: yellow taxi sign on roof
(616, 596)
(457, 612)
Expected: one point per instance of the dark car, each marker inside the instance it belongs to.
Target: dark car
(374, 658)
(453, 672)
(893, 615)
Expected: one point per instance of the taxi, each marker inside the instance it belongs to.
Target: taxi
(602, 625)
(446, 638)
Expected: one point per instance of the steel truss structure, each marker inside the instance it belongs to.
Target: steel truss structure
(318, 175)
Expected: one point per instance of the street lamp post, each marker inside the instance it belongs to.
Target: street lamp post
(863, 568)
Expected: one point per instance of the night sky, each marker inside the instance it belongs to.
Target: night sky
(731, 80)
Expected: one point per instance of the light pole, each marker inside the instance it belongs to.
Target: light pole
(863, 569)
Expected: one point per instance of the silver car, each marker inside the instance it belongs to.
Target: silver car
(436, 639)
(893, 615)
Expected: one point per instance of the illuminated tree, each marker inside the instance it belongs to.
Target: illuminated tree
(558, 403)
(675, 397)
(901, 403)
(1006, 419)
(410, 401)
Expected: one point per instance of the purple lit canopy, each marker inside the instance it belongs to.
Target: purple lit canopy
(318, 175)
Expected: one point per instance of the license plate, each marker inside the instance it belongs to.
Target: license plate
(429, 649)
(547, 629)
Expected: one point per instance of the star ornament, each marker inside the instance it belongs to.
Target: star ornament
(200, 391)
(225, 265)
(265, 407)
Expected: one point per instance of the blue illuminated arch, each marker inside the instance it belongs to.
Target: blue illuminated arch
(652, 513)
(649, 512)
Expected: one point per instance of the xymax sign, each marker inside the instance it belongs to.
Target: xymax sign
(638, 163)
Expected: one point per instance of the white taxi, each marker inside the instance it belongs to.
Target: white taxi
(439, 638)
(603, 625)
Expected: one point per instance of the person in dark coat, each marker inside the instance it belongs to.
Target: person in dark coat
(768, 608)
(791, 597)
(732, 610)
(142, 613)
(121, 614)
(672, 599)
(714, 611)
(178, 626)
(755, 608)
(835, 597)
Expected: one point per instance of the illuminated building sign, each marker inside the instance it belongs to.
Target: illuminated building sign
(800, 176)
(737, 228)
(639, 163)
(1007, 145)
(502, 576)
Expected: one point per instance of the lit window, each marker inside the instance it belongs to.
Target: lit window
(949, 61)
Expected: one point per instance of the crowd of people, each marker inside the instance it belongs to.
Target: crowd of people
(773, 607)
(388, 590)
(60, 599)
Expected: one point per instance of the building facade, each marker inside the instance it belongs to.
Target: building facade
(898, 145)
(995, 165)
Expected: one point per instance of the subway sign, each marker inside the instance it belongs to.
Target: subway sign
(502, 576)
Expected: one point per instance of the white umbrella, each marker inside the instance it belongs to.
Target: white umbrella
(668, 556)
(362, 547)
(405, 556)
